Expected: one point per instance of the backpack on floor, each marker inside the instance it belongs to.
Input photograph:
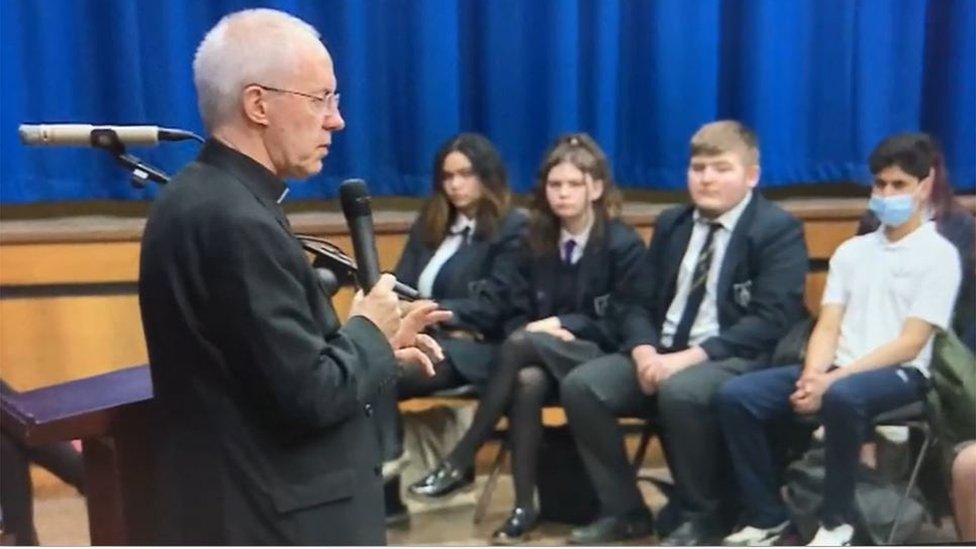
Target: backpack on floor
(566, 493)
(875, 500)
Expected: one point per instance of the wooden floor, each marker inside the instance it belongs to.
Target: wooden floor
(61, 519)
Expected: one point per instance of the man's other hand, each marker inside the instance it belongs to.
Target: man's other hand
(422, 315)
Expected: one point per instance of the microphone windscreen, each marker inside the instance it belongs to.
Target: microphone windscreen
(354, 197)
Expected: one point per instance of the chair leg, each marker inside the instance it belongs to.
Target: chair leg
(641, 452)
(911, 483)
(481, 506)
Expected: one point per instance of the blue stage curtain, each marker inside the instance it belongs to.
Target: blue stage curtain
(822, 81)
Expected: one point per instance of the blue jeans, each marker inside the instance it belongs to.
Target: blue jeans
(748, 405)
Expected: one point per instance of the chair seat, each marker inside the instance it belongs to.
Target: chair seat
(461, 391)
(911, 412)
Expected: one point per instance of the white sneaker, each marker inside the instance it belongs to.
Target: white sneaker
(755, 537)
(835, 537)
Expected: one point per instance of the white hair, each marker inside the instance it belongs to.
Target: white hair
(246, 47)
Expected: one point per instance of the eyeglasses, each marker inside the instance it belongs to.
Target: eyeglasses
(327, 103)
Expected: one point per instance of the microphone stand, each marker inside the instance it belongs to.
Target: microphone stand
(142, 173)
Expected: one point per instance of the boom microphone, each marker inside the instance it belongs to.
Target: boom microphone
(354, 197)
(86, 135)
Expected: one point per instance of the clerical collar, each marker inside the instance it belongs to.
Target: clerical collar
(258, 179)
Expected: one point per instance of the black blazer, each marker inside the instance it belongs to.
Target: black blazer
(609, 262)
(480, 274)
(261, 406)
(760, 286)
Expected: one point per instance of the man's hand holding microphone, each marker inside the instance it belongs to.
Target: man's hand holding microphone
(404, 332)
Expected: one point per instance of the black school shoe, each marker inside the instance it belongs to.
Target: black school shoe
(443, 480)
(516, 527)
(635, 524)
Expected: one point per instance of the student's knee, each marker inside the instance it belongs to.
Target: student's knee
(734, 394)
(532, 381)
(517, 341)
(682, 392)
(964, 467)
(575, 389)
(842, 402)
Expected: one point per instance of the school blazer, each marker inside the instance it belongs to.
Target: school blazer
(760, 286)
(479, 276)
(609, 262)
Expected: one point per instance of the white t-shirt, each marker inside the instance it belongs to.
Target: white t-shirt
(882, 283)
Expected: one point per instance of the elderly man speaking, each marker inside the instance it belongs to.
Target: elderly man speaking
(262, 401)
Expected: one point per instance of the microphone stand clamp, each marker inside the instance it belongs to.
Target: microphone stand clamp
(142, 173)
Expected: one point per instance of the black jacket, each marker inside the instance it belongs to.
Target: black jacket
(760, 286)
(261, 398)
(475, 285)
(608, 264)
(479, 275)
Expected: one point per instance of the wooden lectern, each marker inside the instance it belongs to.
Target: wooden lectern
(110, 414)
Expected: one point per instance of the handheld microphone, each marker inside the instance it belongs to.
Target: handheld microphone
(354, 197)
(343, 268)
(87, 135)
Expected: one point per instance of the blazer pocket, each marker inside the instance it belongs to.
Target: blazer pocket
(324, 488)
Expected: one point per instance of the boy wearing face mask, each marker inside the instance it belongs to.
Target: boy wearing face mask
(887, 293)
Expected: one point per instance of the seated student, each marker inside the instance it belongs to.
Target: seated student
(576, 254)
(722, 282)
(957, 224)
(461, 252)
(964, 492)
(887, 293)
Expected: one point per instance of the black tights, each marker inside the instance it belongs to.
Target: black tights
(521, 386)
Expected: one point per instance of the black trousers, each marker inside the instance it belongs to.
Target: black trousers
(596, 393)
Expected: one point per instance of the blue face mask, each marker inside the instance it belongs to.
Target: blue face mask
(892, 211)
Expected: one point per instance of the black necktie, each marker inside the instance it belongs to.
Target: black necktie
(569, 246)
(465, 235)
(446, 273)
(699, 278)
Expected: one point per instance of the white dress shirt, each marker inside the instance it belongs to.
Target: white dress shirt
(706, 323)
(449, 246)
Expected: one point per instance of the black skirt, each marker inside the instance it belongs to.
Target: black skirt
(560, 357)
(474, 360)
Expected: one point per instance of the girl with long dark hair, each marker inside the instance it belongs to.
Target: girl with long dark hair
(461, 252)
